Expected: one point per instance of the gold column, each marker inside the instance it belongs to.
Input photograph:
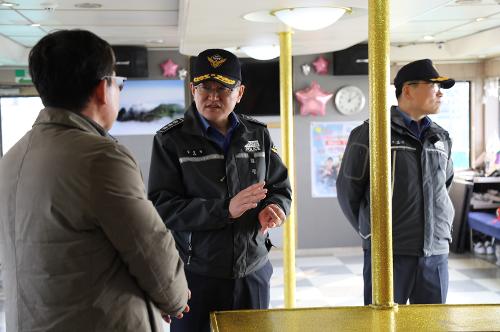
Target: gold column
(380, 138)
(286, 115)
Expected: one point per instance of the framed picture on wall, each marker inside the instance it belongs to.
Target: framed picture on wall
(148, 105)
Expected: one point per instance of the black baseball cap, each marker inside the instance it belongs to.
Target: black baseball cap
(217, 65)
(420, 70)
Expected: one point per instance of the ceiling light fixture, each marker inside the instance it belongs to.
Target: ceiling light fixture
(8, 4)
(35, 24)
(479, 19)
(310, 18)
(88, 5)
(262, 52)
(428, 37)
(155, 41)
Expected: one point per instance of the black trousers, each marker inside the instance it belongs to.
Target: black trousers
(421, 280)
(214, 294)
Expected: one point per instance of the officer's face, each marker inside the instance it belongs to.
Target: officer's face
(425, 97)
(215, 101)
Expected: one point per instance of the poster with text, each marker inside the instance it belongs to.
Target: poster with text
(328, 142)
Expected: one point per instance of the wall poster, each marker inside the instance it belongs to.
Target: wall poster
(328, 142)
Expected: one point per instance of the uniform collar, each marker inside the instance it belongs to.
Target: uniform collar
(399, 124)
(193, 124)
(233, 122)
(424, 123)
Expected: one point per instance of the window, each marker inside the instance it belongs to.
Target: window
(17, 115)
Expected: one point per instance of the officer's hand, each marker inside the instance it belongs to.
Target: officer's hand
(271, 216)
(186, 309)
(246, 199)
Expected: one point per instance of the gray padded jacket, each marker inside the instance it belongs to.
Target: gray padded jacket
(422, 172)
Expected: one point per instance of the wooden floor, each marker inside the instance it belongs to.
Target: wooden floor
(479, 317)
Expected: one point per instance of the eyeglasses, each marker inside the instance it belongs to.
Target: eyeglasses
(204, 90)
(435, 86)
(119, 80)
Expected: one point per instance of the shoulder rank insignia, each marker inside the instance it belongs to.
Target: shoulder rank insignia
(170, 126)
(274, 149)
(249, 118)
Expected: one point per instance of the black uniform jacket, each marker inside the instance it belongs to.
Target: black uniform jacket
(191, 182)
(421, 173)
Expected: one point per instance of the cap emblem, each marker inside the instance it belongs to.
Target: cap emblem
(216, 60)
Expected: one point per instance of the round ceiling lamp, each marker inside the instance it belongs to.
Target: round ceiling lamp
(262, 52)
(310, 18)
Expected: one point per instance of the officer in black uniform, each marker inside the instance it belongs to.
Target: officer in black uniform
(422, 173)
(218, 183)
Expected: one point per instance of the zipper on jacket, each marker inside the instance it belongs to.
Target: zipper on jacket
(393, 177)
(190, 249)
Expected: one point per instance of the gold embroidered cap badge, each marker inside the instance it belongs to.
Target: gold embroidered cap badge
(216, 60)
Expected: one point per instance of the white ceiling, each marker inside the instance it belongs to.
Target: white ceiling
(193, 25)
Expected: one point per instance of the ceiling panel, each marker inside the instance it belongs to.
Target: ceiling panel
(452, 34)
(473, 27)
(426, 27)
(123, 31)
(459, 13)
(415, 37)
(402, 11)
(106, 4)
(8, 16)
(21, 30)
(26, 41)
(125, 35)
(102, 18)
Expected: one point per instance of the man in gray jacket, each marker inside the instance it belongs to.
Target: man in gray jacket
(422, 172)
(82, 247)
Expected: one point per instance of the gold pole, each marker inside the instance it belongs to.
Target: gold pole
(380, 181)
(286, 112)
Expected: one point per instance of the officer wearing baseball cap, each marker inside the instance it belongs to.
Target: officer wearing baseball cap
(422, 172)
(217, 65)
(220, 186)
(421, 70)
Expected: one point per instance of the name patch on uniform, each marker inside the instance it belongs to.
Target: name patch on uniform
(194, 152)
(252, 146)
(440, 146)
(398, 142)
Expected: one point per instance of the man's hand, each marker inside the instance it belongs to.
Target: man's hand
(246, 199)
(270, 217)
(168, 319)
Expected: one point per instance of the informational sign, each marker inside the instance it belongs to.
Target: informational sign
(23, 77)
(328, 142)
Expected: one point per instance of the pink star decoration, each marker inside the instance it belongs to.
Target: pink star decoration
(321, 65)
(169, 68)
(313, 100)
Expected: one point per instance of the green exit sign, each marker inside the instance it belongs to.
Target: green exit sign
(23, 77)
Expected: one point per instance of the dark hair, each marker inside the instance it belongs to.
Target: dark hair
(67, 65)
(399, 90)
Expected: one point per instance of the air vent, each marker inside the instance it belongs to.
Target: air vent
(88, 5)
(49, 6)
(468, 2)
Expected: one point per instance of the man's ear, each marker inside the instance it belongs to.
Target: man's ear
(191, 87)
(240, 92)
(100, 92)
(406, 91)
